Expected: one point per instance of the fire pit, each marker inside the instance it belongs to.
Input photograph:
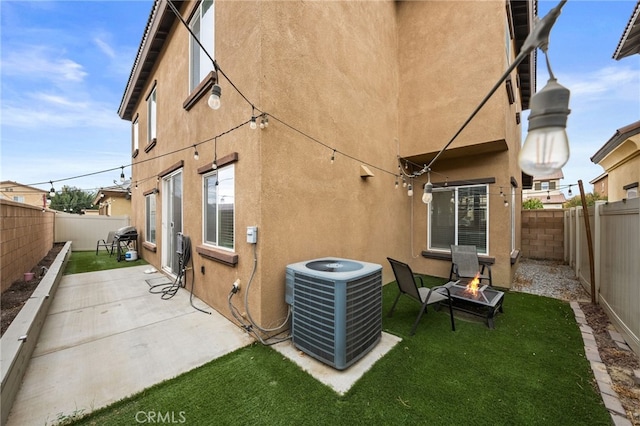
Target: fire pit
(483, 301)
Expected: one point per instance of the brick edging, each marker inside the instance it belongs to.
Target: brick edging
(609, 396)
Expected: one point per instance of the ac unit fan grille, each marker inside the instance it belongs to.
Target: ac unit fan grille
(324, 326)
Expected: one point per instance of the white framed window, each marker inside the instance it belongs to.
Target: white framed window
(202, 25)
(512, 205)
(150, 218)
(135, 135)
(459, 215)
(152, 112)
(219, 207)
(544, 186)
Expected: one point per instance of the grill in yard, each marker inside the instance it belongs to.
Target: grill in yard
(126, 238)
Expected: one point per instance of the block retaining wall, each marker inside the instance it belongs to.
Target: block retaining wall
(543, 234)
(26, 236)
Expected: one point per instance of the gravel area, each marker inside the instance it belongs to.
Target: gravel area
(549, 278)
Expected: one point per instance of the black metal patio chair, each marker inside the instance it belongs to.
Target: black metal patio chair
(426, 296)
(108, 244)
(465, 264)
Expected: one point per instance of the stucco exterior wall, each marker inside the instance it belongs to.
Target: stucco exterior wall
(350, 74)
(446, 69)
(625, 173)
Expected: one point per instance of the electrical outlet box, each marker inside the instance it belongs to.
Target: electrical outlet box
(252, 234)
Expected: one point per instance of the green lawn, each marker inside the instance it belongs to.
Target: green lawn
(88, 261)
(530, 370)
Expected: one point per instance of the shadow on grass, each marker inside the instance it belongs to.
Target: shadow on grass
(88, 261)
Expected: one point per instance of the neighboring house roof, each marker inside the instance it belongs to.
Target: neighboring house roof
(629, 44)
(599, 178)
(616, 140)
(162, 18)
(155, 34)
(553, 176)
(11, 184)
(113, 192)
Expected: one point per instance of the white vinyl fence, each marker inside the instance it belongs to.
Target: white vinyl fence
(615, 231)
(84, 231)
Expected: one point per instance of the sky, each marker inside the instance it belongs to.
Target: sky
(65, 64)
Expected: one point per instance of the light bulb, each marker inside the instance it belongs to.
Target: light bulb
(196, 156)
(122, 175)
(410, 191)
(545, 151)
(546, 148)
(253, 124)
(214, 98)
(52, 191)
(427, 197)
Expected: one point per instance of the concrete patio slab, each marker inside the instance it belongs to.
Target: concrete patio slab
(106, 337)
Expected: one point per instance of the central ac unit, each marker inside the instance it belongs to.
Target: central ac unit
(336, 308)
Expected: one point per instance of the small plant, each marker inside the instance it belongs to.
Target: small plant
(532, 204)
(67, 419)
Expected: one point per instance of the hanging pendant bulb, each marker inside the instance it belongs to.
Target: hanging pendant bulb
(410, 190)
(52, 191)
(546, 148)
(196, 156)
(333, 156)
(214, 98)
(570, 192)
(396, 187)
(122, 174)
(427, 197)
(253, 124)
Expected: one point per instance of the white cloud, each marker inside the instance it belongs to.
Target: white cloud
(105, 47)
(39, 62)
(605, 83)
(41, 110)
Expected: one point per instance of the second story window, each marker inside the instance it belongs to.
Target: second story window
(135, 136)
(202, 25)
(151, 115)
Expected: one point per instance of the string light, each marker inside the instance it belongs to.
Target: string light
(396, 186)
(196, 156)
(252, 123)
(333, 156)
(410, 190)
(52, 191)
(122, 174)
(427, 197)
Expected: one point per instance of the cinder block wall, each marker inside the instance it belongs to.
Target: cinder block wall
(543, 234)
(26, 236)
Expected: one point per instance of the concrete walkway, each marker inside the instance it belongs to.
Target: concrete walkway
(106, 337)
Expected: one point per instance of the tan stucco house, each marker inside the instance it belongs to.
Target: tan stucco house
(14, 191)
(620, 158)
(547, 189)
(114, 201)
(356, 94)
(620, 155)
